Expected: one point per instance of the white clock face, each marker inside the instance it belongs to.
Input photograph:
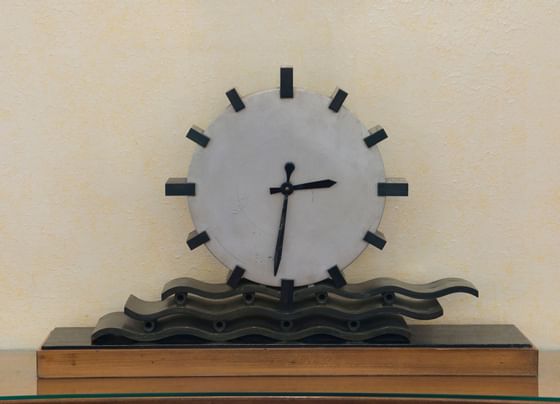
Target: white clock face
(246, 156)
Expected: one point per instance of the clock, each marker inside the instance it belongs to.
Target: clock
(287, 186)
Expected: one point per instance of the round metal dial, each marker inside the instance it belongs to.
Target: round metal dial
(246, 156)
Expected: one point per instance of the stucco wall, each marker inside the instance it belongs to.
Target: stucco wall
(95, 98)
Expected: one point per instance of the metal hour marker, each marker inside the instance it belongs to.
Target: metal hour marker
(338, 100)
(392, 188)
(337, 277)
(377, 134)
(197, 135)
(287, 293)
(235, 100)
(375, 239)
(286, 82)
(235, 277)
(179, 187)
(197, 239)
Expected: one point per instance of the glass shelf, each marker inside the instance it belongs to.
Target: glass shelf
(270, 395)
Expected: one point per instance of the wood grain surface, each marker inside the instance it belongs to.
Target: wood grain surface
(484, 385)
(18, 376)
(287, 362)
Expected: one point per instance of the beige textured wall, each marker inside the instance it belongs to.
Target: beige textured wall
(95, 98)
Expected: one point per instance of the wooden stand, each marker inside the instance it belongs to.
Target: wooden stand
(488, 359)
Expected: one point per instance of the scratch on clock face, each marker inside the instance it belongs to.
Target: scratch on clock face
(239, 205)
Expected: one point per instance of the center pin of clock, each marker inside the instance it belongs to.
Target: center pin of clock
(287, 188)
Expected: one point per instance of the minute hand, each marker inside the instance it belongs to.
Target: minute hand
(307, 185)
(280, 238)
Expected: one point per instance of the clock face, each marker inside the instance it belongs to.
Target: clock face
(248, 154)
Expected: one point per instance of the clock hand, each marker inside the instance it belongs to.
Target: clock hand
(307, 185)
(289, 168)
(315, 184)
(280, 238)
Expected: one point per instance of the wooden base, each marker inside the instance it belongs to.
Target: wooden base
(483, 385)
(459, 366)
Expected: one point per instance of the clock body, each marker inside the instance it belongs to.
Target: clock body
(246, 156)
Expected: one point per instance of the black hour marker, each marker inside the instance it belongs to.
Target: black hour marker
(197, 239)
(235, 100)
(287, 293)
(286, 82)
(394, 188)
(235, 277)
(338, 100)
(179, 187)
(376, 135)
(337, 277)
(376, 239)
(197, 135)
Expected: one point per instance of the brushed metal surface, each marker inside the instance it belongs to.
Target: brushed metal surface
(246, 156)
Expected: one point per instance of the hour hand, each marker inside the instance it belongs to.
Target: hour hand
(306, 185)
(315, 184)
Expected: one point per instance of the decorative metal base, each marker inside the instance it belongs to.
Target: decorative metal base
(191, 311)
